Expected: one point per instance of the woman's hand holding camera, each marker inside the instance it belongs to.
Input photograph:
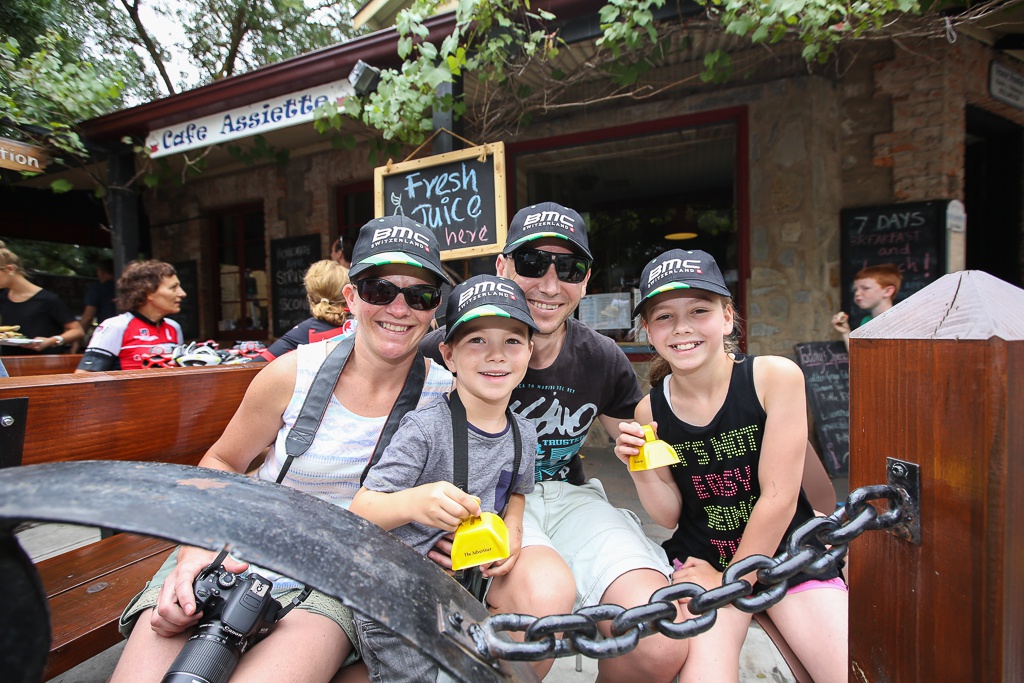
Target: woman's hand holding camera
(176, 607)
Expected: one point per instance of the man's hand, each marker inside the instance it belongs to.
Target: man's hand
(441, 553)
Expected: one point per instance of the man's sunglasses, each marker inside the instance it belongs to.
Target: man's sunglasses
(381, 293)
(535, 263)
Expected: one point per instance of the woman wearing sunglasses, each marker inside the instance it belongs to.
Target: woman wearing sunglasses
(394, 289)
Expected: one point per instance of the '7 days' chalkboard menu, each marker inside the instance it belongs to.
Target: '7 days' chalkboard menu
(911, 236)
(826, 366)
(459, 195)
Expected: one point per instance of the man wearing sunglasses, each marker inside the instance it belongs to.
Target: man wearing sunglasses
(581, 551)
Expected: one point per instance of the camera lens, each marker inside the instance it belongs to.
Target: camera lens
(205, 658)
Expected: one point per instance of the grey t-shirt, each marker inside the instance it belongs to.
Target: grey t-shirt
(422, 452)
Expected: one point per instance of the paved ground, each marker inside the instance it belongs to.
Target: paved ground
(760, 661)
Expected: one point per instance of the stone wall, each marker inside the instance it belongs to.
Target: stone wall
(883, 125)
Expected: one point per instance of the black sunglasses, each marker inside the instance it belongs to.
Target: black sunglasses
(535, 263)
(380, 292)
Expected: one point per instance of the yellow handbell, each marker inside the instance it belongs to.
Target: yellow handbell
(654, 453)
(480, 540)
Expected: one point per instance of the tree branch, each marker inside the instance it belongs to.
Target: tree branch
(239, 27)
(151, 47)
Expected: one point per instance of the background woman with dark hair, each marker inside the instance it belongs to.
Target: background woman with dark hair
(39, 313)
(149, 291)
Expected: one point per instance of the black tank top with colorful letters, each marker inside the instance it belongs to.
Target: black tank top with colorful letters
(717, 473)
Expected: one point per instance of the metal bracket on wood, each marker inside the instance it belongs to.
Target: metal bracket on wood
(13, 413)
(457, 625)
(906, 476)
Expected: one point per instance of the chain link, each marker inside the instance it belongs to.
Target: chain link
(580, 633)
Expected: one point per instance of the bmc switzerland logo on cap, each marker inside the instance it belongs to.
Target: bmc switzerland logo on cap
(399, 234)
(549, 218)
(690, 266)
(486, 295)
(486, 288)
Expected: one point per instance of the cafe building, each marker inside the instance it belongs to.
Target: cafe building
(792, 176)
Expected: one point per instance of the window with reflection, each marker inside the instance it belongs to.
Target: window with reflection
(242, 288)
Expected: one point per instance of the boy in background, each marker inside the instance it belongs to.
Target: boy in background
(874, 289)
(410, 491)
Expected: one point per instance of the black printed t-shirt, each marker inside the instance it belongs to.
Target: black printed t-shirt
(590, 377)
(717, 474)
(42, 315)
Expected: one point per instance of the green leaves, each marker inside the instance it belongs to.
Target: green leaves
(60, 186)
(43, 91)
(820, 24)
(490, 38)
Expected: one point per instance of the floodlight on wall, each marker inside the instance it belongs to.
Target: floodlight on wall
(364, 78)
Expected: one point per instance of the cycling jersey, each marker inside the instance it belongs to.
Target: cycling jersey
(309, 331)
(119, 342)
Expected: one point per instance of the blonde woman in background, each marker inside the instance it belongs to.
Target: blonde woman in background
(39, 313)
(324, 283)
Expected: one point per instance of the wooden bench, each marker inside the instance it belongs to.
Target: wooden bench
(170, 415)
(88, 588)
(29, 366)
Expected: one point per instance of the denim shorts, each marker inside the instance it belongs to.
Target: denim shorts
(598, 541)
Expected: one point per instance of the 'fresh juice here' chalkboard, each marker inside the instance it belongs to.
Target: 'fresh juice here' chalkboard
(911, 236)
(459, 195)
(826, 366)
(290, 258)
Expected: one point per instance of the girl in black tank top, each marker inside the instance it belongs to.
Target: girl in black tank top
(739, 427)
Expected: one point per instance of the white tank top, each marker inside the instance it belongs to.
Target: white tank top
(331, 468)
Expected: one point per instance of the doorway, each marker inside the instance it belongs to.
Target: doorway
(993, 183)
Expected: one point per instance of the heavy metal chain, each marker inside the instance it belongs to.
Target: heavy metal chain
(579, 629)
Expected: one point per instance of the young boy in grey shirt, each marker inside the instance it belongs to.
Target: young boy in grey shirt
(409, 491)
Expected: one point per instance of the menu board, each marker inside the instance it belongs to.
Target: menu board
(290, 258)
(826, 366)
(459, 195)
(911, 236)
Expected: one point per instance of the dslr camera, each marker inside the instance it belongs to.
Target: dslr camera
(237, 611)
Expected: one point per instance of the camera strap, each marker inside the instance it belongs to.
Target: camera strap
(472, 579)
(460, 441)
(300, 436)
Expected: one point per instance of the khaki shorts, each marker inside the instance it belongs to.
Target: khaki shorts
(598, 541)
(317, 603)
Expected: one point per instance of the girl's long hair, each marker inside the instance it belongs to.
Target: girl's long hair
(660, 369)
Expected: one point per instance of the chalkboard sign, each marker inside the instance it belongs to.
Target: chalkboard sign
(911, 236)
(188, 317)
(826, 367)
(290, 258)
(459, 195)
